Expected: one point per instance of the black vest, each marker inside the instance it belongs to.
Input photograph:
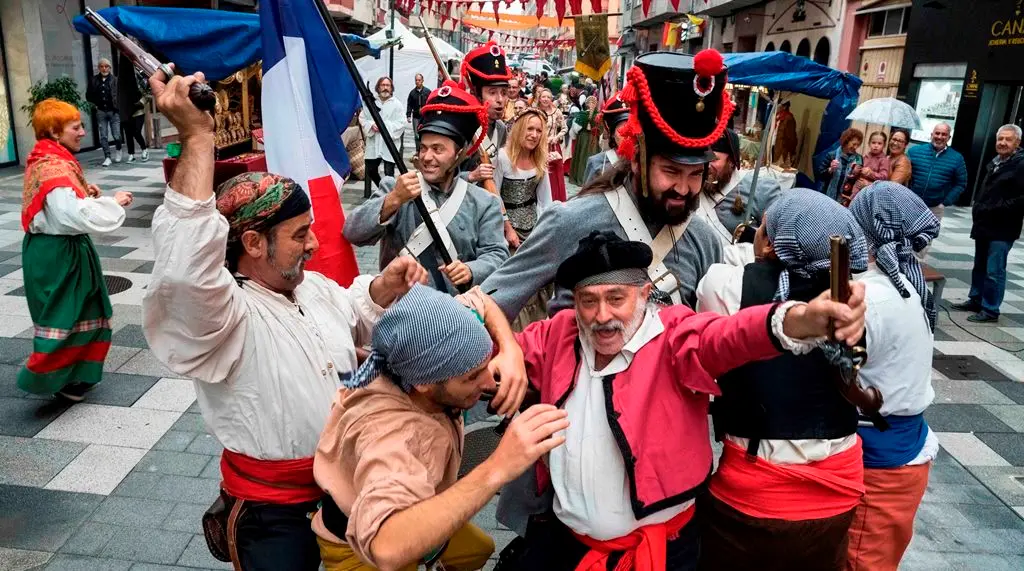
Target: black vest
(790, 396)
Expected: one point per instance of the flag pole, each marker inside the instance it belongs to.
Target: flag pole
(368, 102)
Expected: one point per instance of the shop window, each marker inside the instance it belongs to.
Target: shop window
(803, 49)
(786, 47)
(822, 51)
(769, 47)
(889, 22)
(939, 88)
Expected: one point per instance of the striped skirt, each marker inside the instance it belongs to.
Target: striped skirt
(70, 309)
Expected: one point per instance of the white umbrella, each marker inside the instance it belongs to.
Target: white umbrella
(886, 111)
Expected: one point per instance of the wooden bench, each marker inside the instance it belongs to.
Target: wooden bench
(932, 276)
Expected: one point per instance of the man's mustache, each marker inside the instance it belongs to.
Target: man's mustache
(612, 326)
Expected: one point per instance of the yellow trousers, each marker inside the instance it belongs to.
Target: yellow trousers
(468, 550)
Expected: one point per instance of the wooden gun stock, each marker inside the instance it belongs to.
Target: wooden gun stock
(201, 94)
(848, 359)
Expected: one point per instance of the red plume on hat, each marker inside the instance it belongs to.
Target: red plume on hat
(707, 65)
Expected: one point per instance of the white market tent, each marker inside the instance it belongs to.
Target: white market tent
(413, 58)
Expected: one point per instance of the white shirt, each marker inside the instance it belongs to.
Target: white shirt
(65, 214)
(503, 168)
(720, 291)
(266, 372)
(900, 344)
(587, 472)
(393, 113)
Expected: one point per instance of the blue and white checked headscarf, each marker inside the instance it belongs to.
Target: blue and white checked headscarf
(799, 224)
(896, 224)
(426, 337)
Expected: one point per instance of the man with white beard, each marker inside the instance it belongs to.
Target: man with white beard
(629, 372)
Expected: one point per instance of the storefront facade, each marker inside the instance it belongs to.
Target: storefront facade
(962, 66)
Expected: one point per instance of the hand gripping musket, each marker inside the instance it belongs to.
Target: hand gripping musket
(485, 159)
(849, 360)
(531, 398)
(201, 94)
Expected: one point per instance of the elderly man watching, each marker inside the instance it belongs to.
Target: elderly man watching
(230, 305)
(939, 173)
(998, 213)
(102, 92)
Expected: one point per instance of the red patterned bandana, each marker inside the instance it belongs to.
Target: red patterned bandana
(258, 201)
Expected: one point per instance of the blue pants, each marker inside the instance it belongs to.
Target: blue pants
(988, 278)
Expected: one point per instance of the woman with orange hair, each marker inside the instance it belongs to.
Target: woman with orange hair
(64, 286)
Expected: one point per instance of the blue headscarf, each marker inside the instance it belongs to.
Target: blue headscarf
(799, 224)
(424, 338)
(896, 224)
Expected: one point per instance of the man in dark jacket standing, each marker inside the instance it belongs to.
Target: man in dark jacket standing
(417, 98)
(102, 92)
(998, 216)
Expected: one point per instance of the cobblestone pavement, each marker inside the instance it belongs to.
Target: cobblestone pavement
(120, 481)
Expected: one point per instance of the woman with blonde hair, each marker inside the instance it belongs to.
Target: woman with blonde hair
(521, 175)
(64, 285)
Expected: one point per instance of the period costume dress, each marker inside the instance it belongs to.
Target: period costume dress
(469, 216)
(899, 322)
(557, 128)
(380, 453)
(265, 366)
(791, 472)
(586, 144)
(67, 297)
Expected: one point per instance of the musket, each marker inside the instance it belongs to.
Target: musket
(396, 156)
(848, 360)
(201, 94)
(485, 159)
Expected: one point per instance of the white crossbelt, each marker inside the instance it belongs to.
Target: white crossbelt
(420, 238)
(708, 210)
(636, 230)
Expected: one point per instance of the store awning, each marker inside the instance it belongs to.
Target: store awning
(216, 42)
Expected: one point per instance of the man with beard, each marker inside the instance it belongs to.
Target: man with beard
(486, 77)
(614, 115)
(476, 242)
(723, 203)
(652, 191)
(390, 453)
(629, 372)
(230, 305)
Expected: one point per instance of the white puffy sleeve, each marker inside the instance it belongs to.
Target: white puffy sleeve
(193, 313)
(721, 289)
(65, 214)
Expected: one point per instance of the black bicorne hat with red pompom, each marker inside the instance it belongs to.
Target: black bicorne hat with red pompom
(678, 103)
(453, 113)
(615, 112)
(485, 65)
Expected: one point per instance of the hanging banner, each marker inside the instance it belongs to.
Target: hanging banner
(592, 55)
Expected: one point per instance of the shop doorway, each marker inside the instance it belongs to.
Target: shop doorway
(1001, 104)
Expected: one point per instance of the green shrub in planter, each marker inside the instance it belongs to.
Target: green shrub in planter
(63, 88)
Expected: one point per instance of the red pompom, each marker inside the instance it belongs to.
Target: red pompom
(708, 63)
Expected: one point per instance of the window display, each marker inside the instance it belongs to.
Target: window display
(937, 102)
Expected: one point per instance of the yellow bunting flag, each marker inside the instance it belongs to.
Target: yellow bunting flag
(592, 55)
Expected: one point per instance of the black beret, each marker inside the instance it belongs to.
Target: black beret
(599, 253)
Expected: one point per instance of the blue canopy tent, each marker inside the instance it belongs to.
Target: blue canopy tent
(786, 72)
(216, 42)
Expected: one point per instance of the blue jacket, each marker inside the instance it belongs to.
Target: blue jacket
(937, 178)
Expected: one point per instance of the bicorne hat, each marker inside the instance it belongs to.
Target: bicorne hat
(678, 106)
(605, 258)
(485, 66)
(453, 113)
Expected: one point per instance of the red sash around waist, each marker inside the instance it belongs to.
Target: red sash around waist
(645, 548)
(793, 492)
(271, 481)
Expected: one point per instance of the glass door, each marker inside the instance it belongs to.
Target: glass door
(8, 144)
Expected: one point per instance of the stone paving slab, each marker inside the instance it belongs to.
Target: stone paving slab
(144, 421)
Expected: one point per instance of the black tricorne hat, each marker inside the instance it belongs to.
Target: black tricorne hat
(678, 105)
(604, 252)
(453, 113)
(615, 112)
(485, 66)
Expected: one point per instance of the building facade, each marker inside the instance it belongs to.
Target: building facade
(962, 66)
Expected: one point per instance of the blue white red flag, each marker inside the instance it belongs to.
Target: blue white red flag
(309, 99)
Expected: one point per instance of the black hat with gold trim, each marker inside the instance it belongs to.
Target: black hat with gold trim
(485, 66)
(678, 106)
(453, 113)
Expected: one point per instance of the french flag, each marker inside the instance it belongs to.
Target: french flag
(308, 101)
